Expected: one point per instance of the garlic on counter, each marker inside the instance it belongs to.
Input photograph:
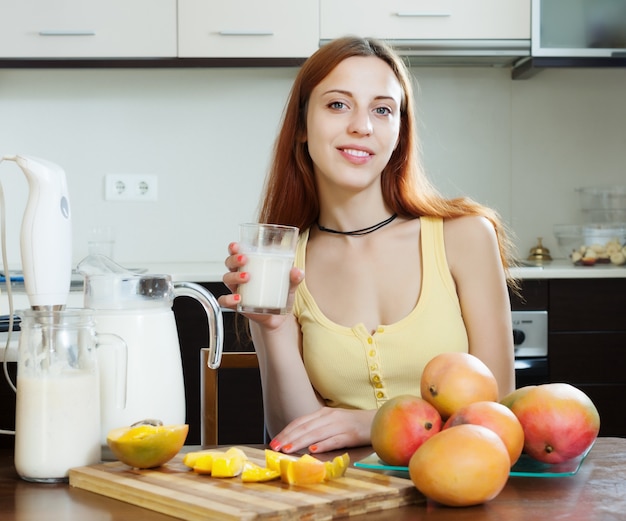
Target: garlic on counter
(618, 258)
(612, 252)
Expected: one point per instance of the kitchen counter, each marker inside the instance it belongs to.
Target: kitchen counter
(564, 269)
(596, 492)
(556, 269)
(213, 271)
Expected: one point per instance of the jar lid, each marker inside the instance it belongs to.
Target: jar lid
(111, 286)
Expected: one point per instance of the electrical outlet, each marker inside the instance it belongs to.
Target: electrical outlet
(130, 187)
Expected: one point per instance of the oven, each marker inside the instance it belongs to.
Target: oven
(530, 338)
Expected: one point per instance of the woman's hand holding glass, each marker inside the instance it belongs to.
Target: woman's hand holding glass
(237, 276)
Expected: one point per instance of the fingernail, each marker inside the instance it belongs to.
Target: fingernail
(242, 275)
(239, 258)
(313, 448)
(237, 297)
(287, 447)
(275, 445)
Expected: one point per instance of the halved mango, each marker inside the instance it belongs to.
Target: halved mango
(147, 445)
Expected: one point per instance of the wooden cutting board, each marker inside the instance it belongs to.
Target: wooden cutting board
(176, 490)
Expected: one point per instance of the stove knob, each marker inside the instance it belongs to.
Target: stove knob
(518, 336)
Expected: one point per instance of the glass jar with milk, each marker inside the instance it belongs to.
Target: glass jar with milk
(57, 418)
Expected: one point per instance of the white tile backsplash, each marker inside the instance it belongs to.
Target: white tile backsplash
(521, 146)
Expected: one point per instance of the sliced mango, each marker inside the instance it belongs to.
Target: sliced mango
(306, 470)
(147, 445)
(190, 458)
(228, 465)
(203, 464)
(336, 468)
(291, 469)
(272, 459)
(253, 473)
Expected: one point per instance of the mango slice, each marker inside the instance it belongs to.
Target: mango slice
(217, 463)
(336, 468)
(306, 470)
(190, 458)
(203, 464)
(272, 459)
(253, 473)
(147, 446)
(228, 465)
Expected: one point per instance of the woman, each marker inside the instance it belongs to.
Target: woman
(395, 273)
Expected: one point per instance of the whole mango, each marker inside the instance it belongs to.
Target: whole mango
(461, 466)
(452, 380)
(559, 420)
(400, 426)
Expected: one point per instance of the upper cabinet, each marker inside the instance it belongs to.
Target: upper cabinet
(211, 31)
(244, 28)
(87, 28)
(426, 19)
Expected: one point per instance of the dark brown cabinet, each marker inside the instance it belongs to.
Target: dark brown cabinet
(586, 339)
(587, 343)
(533, 296)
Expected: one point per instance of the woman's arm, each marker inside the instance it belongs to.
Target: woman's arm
(474, 259)
(287, 391)
(294, 414)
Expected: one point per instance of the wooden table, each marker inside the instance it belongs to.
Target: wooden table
(596, 493)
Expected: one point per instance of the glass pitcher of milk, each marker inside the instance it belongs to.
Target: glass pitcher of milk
(138, 308)
(57, 417)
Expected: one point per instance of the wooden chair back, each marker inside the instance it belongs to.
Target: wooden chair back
(209, 389)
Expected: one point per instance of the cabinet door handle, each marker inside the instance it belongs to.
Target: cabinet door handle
(417, 14)
(53, 32)
(246, 33)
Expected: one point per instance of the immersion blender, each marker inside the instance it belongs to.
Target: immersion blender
(46, 234)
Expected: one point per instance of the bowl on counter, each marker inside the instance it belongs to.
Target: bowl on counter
(603, 204)
(592, 244)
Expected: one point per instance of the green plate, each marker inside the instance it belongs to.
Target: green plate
(524, 467)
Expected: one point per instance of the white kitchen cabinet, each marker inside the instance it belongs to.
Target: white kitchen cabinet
(87, 28)
(426, 19)
(247, 28)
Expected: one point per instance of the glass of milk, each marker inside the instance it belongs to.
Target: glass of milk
(270, 249)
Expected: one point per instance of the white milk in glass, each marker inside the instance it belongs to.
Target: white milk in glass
(57, 424)
(267, 289)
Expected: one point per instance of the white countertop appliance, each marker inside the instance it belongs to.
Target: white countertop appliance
(530, 338)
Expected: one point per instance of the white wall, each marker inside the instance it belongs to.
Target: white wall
(520, 146)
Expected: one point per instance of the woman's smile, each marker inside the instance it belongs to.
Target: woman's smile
(357, 156)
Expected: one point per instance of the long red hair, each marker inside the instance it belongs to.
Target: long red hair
(290, 190)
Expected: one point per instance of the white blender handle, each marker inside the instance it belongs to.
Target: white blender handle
(46, 236)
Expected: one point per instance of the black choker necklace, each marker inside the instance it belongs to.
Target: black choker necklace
(362, 231)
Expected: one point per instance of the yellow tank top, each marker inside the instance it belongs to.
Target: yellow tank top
(351, 368)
